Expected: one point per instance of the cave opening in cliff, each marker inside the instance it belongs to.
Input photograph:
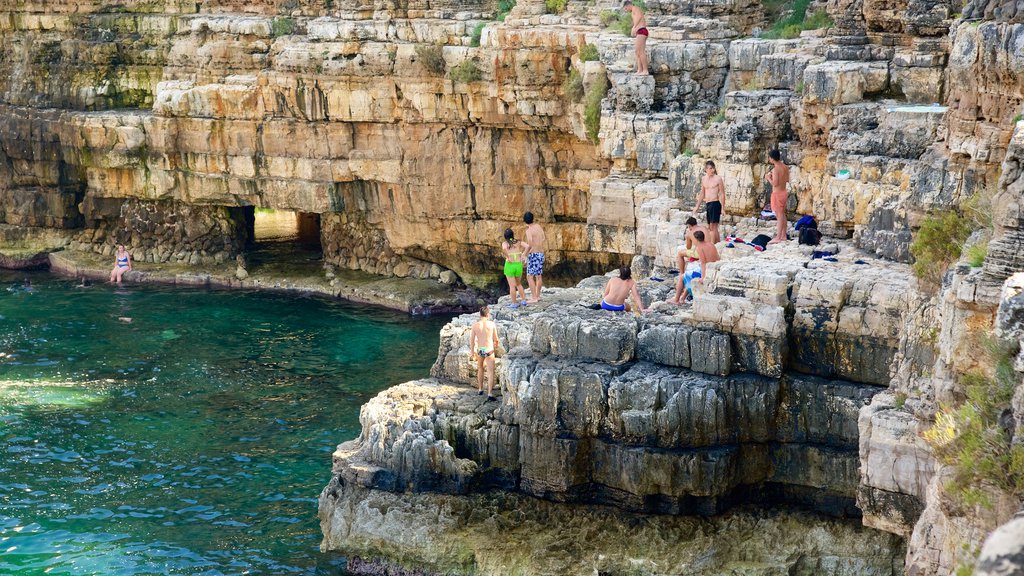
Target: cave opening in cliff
(285, 239)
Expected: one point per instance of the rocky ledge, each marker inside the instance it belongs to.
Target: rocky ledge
(749, 396)
(412, 295)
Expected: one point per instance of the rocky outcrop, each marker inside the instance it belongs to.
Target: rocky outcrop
(679, 411)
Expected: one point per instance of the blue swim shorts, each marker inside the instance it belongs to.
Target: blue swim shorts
(534, 263)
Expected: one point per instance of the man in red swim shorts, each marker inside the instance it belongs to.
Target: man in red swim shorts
(639, 30)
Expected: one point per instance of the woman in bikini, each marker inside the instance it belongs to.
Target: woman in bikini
(122, 264)
(513, 250)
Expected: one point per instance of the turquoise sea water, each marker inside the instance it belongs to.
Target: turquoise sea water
(192, 439)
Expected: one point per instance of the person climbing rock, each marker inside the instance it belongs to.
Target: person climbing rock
(535, 258)
(778, 177)
(712, 193)
(483, 342)
(639, 31)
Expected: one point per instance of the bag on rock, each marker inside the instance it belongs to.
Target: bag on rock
(806, 222)
(810, 236)
(760, 242)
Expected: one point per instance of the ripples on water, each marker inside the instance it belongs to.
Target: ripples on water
(193, 439)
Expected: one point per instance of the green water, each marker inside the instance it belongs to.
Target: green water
(193, 439)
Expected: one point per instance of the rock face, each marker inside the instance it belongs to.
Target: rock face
(679, 412)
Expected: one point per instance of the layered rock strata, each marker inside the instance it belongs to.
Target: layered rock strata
(676, 412)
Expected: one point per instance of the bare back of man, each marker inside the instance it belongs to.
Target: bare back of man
(778, 177)
(535, 259)
(618, 289)
(706, 253)
(483, 342)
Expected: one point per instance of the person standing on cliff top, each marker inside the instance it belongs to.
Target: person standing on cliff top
(712, 193)
(535, 258)
(639, 30)
(483, 341)
(778, 177)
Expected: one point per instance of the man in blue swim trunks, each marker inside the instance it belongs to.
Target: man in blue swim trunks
(535, 257)
(483, 341)
(618, 289)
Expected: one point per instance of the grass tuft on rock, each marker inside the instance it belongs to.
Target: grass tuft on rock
(504, 7)
(478, 31)
(937, 244)
(573, 86)
(971, 437)
(589, 53)
(592, 108)
(282, 26)
(555, 6)
(796, 19)
(466, 71)
(431, 57)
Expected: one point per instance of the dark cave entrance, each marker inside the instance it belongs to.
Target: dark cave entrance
(285, 242)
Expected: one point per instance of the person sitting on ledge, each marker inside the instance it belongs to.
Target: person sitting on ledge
(685, 255)
(706, 253)
(122, 264)
(618, 289)
(483, 341)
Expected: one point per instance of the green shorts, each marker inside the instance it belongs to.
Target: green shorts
(514, 269)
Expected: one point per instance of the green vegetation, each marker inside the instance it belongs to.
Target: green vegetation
(617, 21)
(689, 152)
(937, 244)
(800, 87)
(976, 253)
(478, 30)
(573, 86)
(466, 71)
(431, 58)
(970, 439)
(555, 6)
(754, 84)
(589, 54)
(718, 117)
(796, 22)
(592, 108)
(504, 7)
(1017, 118)
(900, 400)
(282, 26)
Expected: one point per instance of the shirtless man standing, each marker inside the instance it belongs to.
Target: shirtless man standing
(535, 257)
(712, 192)
(778, 177)
(618, 289)
(639, 30)
(483, 341)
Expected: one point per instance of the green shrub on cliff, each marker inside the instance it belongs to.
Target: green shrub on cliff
(937, 244)
(573, 86)
(466, 71)
(504, 7)
(431, 57)
(589, 53)
(971, 437)
(555, 6)
(796, 21)
(282, 26)
(478, 31)
(592, 108)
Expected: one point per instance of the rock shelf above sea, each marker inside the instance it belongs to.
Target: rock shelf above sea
(749, 396)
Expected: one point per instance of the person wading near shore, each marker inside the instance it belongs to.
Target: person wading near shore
(535, 258)
(712, 193)
(639, 31)
(778, 177)
(618, 289)
(483, 342)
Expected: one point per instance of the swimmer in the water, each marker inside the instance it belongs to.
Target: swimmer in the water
(84, 283)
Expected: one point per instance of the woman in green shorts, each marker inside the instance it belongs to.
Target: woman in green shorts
(514, 250)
